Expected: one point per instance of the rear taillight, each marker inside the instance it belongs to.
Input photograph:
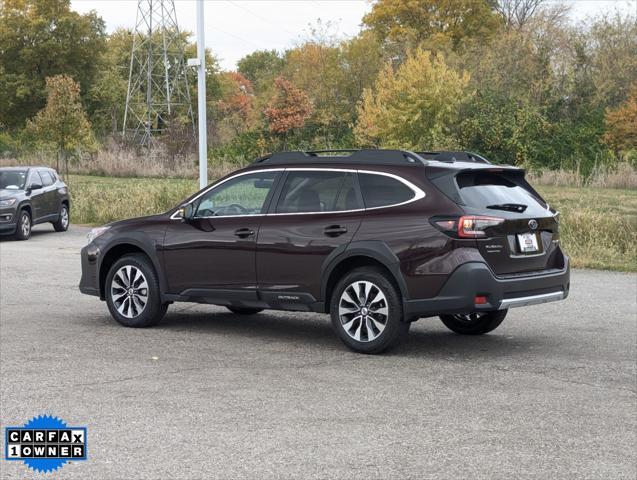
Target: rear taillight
(473, 226)
(468, 226)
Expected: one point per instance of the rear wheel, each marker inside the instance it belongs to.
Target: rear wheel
(23, 228)
(475, 323)
(367, 311)
(244, 311)
(62, 223)
(132, 292)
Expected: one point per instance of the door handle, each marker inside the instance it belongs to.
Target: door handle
(244, 232)
(334, 230)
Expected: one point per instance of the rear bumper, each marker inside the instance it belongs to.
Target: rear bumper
(476, 279)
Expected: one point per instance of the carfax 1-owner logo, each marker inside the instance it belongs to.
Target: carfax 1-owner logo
(45, 443)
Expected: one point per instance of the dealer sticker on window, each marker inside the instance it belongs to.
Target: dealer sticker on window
(45, 443)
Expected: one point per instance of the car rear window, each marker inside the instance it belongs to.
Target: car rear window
(489, 189)
(383, 191)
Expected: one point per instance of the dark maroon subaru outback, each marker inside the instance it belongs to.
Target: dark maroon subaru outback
(375, 238)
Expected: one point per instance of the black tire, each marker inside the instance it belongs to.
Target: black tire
(244, 310)
(23, 228)
(474, 323)
(371, 339)
(64, 219)
(153, 310)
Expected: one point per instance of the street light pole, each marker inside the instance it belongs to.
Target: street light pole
(201, 97)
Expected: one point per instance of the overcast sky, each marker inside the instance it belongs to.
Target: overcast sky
(235, 28)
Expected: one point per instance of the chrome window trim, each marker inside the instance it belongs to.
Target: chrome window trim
(418, 192)
(221, 182)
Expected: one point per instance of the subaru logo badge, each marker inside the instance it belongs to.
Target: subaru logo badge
(532, 224)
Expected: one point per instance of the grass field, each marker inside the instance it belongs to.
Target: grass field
(598, 226)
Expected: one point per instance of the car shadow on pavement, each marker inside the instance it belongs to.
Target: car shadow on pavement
(286, 328)
(317, 331)
(37, 231)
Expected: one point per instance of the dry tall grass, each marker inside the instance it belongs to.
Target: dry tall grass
(622, 175)
(115, 160)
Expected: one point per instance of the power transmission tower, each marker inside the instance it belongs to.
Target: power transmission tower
(158, 94)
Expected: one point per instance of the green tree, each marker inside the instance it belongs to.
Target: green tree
(261, 68)
(612, 42)
(62, 123)
(316, 69)
(107, 94)
(39, 39)
(412, 106)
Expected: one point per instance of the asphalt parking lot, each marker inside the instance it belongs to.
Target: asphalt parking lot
(550, 394)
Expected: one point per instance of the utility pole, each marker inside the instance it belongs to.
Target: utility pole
(201, 97)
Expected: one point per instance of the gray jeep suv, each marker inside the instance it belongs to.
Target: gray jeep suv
(32, 195)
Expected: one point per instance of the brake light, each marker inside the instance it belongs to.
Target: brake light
(473, 226)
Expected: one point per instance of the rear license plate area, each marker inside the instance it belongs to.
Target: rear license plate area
(527, 243)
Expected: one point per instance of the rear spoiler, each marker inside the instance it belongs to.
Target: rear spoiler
(450, 157)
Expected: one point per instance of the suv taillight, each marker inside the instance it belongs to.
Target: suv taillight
(473, 226)
(467, 226)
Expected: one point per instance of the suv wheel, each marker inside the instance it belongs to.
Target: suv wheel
(244, 310)
(367, 311)
(23, 229)
(475, 323)
(62, 223)
(132, 292)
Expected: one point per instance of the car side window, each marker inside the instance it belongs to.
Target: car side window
(34, 178)
(243, 195)
(316, 191)
(383, 191)
(46, 177)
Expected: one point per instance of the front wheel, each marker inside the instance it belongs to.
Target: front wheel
(62, 223)
(23, 228)
(367, 311)
(132, 292)
(475, 323)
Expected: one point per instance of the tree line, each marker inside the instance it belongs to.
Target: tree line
(514, 80)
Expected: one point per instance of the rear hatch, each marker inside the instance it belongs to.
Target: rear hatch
(513, 227)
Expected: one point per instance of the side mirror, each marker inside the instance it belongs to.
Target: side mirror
(35, 186)
(187, 213)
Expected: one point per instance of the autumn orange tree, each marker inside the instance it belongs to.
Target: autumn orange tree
(237, 102)
(621, 124)
(288, 110)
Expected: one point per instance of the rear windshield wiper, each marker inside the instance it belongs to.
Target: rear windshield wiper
(511, 207)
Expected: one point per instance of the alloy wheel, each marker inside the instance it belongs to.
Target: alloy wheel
(363, 311)
(64, 217)
(25, 225)
(129, 291)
